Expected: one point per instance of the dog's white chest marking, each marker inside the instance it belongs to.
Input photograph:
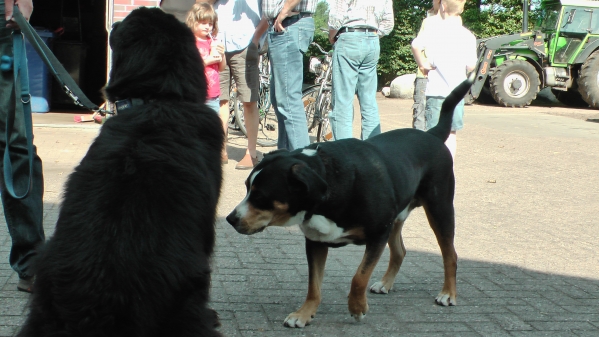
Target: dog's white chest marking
(320, 229)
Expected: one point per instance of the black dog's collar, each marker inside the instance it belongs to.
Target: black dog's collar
(127, 103)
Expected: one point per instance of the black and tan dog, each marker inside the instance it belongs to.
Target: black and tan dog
(130, 256)
(360, 192)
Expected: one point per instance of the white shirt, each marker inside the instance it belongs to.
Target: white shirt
(450, 48)
(377, 14)
(237, 22)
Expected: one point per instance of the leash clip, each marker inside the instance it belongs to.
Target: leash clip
(28, 97)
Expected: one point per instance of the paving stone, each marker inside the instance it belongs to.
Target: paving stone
(515, 275)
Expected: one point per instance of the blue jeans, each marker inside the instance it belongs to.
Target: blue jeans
(432, 112)
(418, 121)
(24, 217)
(355, 58)
(286, 52)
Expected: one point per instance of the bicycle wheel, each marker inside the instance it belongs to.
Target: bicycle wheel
(317, 111)
(268, 133)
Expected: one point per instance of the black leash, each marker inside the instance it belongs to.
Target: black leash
(58, 71)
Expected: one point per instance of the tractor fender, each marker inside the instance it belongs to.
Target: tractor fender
(588, 50)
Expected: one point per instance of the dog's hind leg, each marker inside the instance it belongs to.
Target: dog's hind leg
(441, 218)
(357, 302)
(316, 253)
(397, 252)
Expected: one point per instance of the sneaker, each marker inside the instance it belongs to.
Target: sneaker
(247, 162)
(25, 284)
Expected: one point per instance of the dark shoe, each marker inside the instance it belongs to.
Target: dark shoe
(25, 284)
(247, 163)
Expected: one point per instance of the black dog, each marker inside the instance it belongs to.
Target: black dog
(131, 251)
(361, 192)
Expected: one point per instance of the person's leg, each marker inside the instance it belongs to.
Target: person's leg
(225, 86)
(419, 103)
(457, 123)
(24, 217)
(286, 58)
(432, 111)
(366, 87)
(347, 57)
(244, 66)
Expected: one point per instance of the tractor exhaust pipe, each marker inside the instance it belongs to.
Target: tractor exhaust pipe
(524, 16)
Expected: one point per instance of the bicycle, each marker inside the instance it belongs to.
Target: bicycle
(268, 133)
(317, 98)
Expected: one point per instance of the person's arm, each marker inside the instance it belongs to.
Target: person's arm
(223, 63)
(25, 6)
(335, 20)
(260, 30)
(285, 12)
(417, 50)
(473, 58)
(386, 20)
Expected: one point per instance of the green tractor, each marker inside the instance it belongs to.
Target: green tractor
(562, 53)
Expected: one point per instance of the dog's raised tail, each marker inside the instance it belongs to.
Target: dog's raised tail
(443, 128)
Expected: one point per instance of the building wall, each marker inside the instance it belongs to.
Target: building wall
(123, 7)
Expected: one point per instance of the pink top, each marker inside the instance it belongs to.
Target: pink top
(212, 75)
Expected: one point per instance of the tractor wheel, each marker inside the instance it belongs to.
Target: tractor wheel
(515, 83)
(588, 81)
(571, 98)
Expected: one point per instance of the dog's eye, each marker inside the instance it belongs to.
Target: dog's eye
(261, 201)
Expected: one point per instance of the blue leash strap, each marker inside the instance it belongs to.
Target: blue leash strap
(23, 97)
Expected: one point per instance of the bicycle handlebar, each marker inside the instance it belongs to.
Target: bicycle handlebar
(319, 47)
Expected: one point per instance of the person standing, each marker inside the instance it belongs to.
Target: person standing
(290, 35)
(203, 22)
(355, 27)
(241, 31)
(24, 217)
(421, 80)
(450, 55)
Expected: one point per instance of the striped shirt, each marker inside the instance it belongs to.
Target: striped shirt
(377, 14)
(272, 8)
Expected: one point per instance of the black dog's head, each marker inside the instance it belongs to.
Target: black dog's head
(154, 56)
(281, 190)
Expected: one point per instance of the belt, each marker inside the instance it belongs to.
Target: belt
(356, 29)
(288, 20)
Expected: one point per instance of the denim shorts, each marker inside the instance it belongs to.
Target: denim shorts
(433, 110)
(213, 103)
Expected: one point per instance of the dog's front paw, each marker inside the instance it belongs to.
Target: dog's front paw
(379, 288)
(445, 299)
(358, 308)
(298, 320)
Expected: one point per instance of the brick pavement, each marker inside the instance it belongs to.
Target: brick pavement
(527, 202)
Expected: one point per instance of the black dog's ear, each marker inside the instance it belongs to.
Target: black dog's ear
(308, 179)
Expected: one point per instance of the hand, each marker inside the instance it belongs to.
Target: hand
(25, 6)
(332, 34)
(220, 48)
(278, 26)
